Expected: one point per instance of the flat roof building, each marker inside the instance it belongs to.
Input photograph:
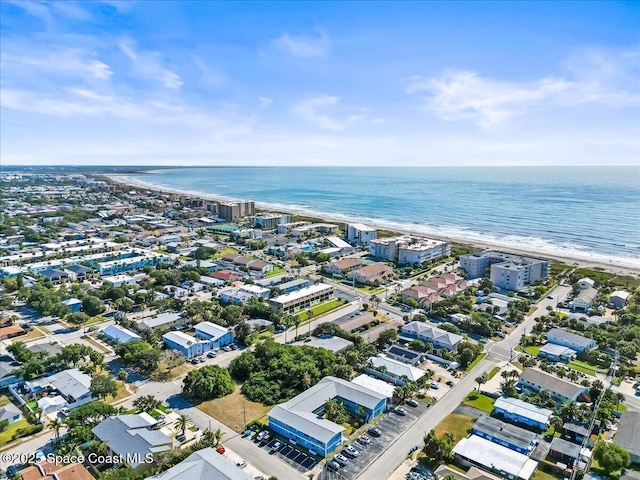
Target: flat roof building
(303, 298)
(519, 411)
(300, 419)
(502, 433)
(508, 271)
(483, 453)
(560, 389)
(573, 341)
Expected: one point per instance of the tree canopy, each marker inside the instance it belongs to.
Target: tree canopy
(210, 381)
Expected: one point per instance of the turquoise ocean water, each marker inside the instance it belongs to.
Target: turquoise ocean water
(588, 212)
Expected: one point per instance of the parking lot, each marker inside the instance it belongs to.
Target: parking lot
(391, 426)
(290, 454)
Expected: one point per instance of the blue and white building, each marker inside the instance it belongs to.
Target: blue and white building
(525, 413)
(186, 344)
(73, 303)
(218, 336)
(558, 336)
(514, 438)
(300, 419)
(119, 334)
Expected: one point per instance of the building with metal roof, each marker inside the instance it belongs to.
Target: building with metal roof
(518, 411)
(628, 434)
(502, 433)
(558, 336)
(205, 464)
(497, 459)
(560, 389)
(119, 334)
(300, 419)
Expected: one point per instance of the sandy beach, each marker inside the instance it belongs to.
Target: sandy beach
(617, 268)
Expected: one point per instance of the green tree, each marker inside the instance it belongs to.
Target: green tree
(610, 456)
(125, 473)
(56, 425)
(140, 355)
(182, 423)
(90, 414)
(482, 379)
(556, 422)
(92, 305)
(335, 411)
(508, 388)
(146, 403)
(103, 385)
(437, 448)
(210, 381)
(387, 336)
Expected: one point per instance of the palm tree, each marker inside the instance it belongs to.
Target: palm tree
(484, 378)
(556, 423)
(182, 423)
(217, 436)
(56, 425)
(569, 410)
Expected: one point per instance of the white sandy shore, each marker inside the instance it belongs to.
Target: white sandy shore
(619, 267)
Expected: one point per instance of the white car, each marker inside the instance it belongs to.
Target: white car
(241, 464)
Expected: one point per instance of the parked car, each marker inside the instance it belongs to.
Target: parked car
(412, 402)
(350, 451)
(400, 411)
(211, 355)
(260, 436)
(276, 446)
(194, 361)
(241, 464)
(181, 437)
(363, 439)
(265, 439)
(333, 465)
(233, 346)
(65, 411)
(434, 385)
(341, 459)
(550, 297)
(220, 450)
(450, 383)
(374, 432)
(226, 348)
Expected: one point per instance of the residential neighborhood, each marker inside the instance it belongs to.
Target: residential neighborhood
(158, 335)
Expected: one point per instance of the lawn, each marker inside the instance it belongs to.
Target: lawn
(482, 402)
(95, 344)
(32, 335)
(276, 271)
(371, 290)
(540, 475)
(582, 367)
(475, 362)
(229, 410)
(224, 251)
(122, 393)
(5, 437)
(321, 308)
(493, 372)
(533, 350)
(456, 424)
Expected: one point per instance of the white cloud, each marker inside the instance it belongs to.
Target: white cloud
(265, 102)
(594, 76)
(328, 112)
(303, 46)
(148, 65)
(62, 62)
(464, 95)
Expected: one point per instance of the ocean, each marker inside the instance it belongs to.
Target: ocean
(582, 212)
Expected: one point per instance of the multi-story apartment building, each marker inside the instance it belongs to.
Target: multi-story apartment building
(303, 298)
(269, 221)
(359, 234)
(508, 271)
(409, 250)
(233, 211)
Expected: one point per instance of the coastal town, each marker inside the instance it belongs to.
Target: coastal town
(148, 334)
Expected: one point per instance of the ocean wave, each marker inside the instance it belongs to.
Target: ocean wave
(529, 243)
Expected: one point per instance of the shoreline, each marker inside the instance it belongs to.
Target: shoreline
(617, 268)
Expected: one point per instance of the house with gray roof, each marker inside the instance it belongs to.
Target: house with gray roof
(10, 413)
(300, 419)
(132, 438)
(72, 387)
(560, 389)
(628, 435)
(205, 464)
(519, 411)
(515, 438)
(163, 320)
(559, 336)
(434, 335)
(584, 300)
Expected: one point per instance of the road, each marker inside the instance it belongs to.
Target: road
(383, 466)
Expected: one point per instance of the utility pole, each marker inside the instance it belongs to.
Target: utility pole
(244, 414)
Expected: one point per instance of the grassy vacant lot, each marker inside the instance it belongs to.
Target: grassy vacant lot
(275, 271)
(583, 367)
(533, 350)
(229, 410)
(224, 251)
(457, 424)
(482, 402)
(321, 308)
(5, 437)
(95, 344)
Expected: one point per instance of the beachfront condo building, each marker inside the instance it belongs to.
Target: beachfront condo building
(303, 298)
(269, 221)
(233, 211)
(359, 234)
(409, 250)
(507, 271)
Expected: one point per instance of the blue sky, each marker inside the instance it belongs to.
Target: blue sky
(326, 83)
